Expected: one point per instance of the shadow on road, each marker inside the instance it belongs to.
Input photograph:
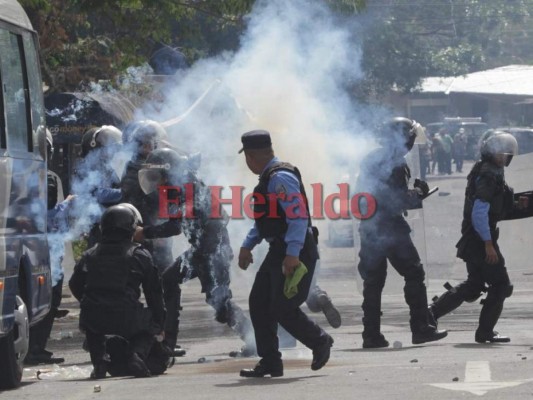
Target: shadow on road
(266, 381)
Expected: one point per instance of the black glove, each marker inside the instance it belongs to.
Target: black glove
(422, 186)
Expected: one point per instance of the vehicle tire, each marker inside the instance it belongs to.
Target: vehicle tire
(13, 348)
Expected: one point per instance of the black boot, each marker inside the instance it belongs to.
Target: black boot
(372, 336)
(137, 367)
(490, 313)
(274, 369)
(99, 371)
(375, 342)
(491, 337)
(321, 354)
(428, 334)
(42, 357)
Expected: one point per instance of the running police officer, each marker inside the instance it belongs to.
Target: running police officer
(106, 281)
(292, 243)
(386, 235)
(488, 200)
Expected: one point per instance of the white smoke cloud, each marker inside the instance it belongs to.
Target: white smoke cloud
(289, 77)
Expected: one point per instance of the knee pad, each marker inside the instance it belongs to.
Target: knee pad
(470, 291)
(500, 292)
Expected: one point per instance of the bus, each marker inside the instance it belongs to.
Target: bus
(25, 279)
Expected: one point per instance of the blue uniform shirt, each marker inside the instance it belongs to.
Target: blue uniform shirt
(284, 182)
(480, 219)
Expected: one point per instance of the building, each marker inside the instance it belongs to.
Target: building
(501, 97)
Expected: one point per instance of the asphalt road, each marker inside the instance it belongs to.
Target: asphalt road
(455, 367)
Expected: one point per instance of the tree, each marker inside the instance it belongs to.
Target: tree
(411, 39)
(89, 40)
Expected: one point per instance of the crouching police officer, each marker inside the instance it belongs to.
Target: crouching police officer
(291, 243)
(106, 281)
(488, 200)
(386, 235)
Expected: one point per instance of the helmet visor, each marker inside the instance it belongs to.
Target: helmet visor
(150, 179)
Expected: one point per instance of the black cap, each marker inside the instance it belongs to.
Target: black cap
(258, 139)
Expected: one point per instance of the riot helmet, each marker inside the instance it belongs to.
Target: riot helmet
(144, 135)
(162, 166)
(136, 213)
(120, 221)
(400, 134)
(499, 142)
(98, 137)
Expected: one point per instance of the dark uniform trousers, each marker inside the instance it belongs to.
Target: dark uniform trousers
(479, 274)
(40, 332)
(107, 282)
(486, 182)
(269, 305)
(209, 260)
(132, 325)
(393, 244)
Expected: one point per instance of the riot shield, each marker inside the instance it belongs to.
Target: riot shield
(515, 235)
(415, 217)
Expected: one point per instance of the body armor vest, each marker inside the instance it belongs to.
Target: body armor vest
(270, 219)
(500, 203)
(108, 275)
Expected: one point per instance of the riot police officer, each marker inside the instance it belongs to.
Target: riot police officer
(210, 254)
(291, 242)
(488, 200)
(385, 236)
(141, 138)
(95, 179)
(107, 281)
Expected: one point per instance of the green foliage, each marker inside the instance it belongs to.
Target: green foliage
(411, 39)
(403, 41)
(89, 40)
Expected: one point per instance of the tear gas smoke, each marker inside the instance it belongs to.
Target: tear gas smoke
(291, 76)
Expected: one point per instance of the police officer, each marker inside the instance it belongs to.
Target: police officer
(209, 256)
(385, 236)
(141, 138)
(107, 281)
(95, 179)
(488, 200)
(291, 241)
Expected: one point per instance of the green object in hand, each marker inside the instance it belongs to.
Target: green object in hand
(290, 288)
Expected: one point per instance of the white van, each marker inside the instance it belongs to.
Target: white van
(25, 280)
